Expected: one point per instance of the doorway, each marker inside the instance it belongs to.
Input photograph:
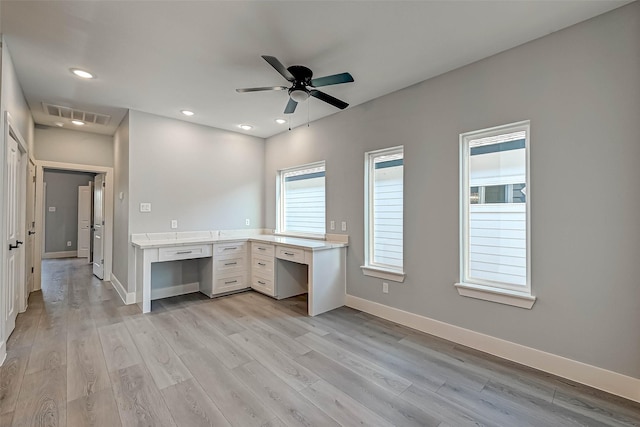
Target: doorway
(43, 209)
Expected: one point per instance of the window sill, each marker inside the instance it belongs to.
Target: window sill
(501, 296)
(383, 273)
(300, 235)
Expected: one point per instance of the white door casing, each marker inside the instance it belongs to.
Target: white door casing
(41, 165)
(13, 282)
(98, 226)
(84, 221)
(29, 246)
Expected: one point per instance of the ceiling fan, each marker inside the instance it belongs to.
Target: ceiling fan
(303, 85)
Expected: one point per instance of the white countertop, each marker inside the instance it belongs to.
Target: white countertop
(159, 240)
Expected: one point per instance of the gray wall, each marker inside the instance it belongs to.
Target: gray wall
(121, 239)
(205, 178)
(580, 89)
(62, 193)
(73, 146)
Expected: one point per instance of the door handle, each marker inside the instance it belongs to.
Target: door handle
(31, 233)
(11, 247)
(18, 243)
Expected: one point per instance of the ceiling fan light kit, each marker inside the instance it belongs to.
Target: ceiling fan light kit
(302, 79)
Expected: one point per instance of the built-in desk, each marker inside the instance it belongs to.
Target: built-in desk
(224, 267)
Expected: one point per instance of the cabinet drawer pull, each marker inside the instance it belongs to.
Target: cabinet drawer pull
(262, 249)
(288, 253)
(231, 263)
(183, 252)
(261, 282)
(230, 282)
(262, 264)
(230, 248)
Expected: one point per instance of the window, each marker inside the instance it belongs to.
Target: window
(384, 200)
(301, 206)
(494, 215)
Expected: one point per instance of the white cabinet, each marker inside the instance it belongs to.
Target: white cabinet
(230, 269)
(262, 268)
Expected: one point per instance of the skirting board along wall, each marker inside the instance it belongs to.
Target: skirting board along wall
(609, 381)
(126, 297)
(64, 254)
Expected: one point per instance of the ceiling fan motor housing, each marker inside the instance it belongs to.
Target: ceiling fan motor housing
(302, 75)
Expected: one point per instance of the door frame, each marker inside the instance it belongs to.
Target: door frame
(10, 128)
(41, 165)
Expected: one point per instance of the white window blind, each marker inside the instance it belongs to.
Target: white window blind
(302, 202)
(385, 171)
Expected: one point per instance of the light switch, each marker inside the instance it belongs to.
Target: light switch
(52, 208)
(344, 225)
(174, 223)
(145, 207)
(332, 225)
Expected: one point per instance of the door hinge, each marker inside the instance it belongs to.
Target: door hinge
(34, 179)
(101, 261)
(104, 184)
(102, 222)
(32, 269)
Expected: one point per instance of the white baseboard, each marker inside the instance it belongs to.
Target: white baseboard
(172, 291)
(64, 254)
(126, 297)
(593, 376)
(3, 352)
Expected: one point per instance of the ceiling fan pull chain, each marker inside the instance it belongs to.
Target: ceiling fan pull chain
(308, 112)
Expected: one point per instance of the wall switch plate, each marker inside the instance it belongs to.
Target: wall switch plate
(52, 208)
(332, 225)
(344, 225)
(247, 221)
(145, 207)
(69, 243)
(385, 288)
(174, 223)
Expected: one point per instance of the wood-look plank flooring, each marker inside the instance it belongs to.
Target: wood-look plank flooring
(79, 357)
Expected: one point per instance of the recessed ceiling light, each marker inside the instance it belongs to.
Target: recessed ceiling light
(77, 122)
(187, 112)
(82, 73)
(246, 127)
(281, 121)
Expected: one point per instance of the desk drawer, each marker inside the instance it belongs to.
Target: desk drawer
(290, 254)
(230, 283)
(184, 252)
(262, 249)
(224, 249)
(262, 266)
(230, 264)
(263, 285)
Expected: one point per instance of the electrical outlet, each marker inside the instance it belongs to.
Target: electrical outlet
(52, 208)
(332, 225)
(247, 221)
(145, 207)
(344, 225)
(69, 243)
(385, 288)
(174, 223)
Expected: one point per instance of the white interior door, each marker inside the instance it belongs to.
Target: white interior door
(84, 221)
(13, 276)
(31, 227)
(98, 224)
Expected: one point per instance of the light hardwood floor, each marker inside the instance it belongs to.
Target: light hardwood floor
(79, 357)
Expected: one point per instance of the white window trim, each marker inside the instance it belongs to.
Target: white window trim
(369, 268)
(280, 203)
(485, 290)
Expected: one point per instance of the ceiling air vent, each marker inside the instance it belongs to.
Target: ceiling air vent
(72, 114)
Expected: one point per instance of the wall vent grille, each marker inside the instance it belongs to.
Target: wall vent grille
(73, 114)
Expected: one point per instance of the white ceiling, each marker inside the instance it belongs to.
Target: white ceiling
(161, 57)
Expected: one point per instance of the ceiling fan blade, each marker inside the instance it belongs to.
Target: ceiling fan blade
(273, 61)
(329, 99)
(259, 89)
(291, 106)
(335, 79)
